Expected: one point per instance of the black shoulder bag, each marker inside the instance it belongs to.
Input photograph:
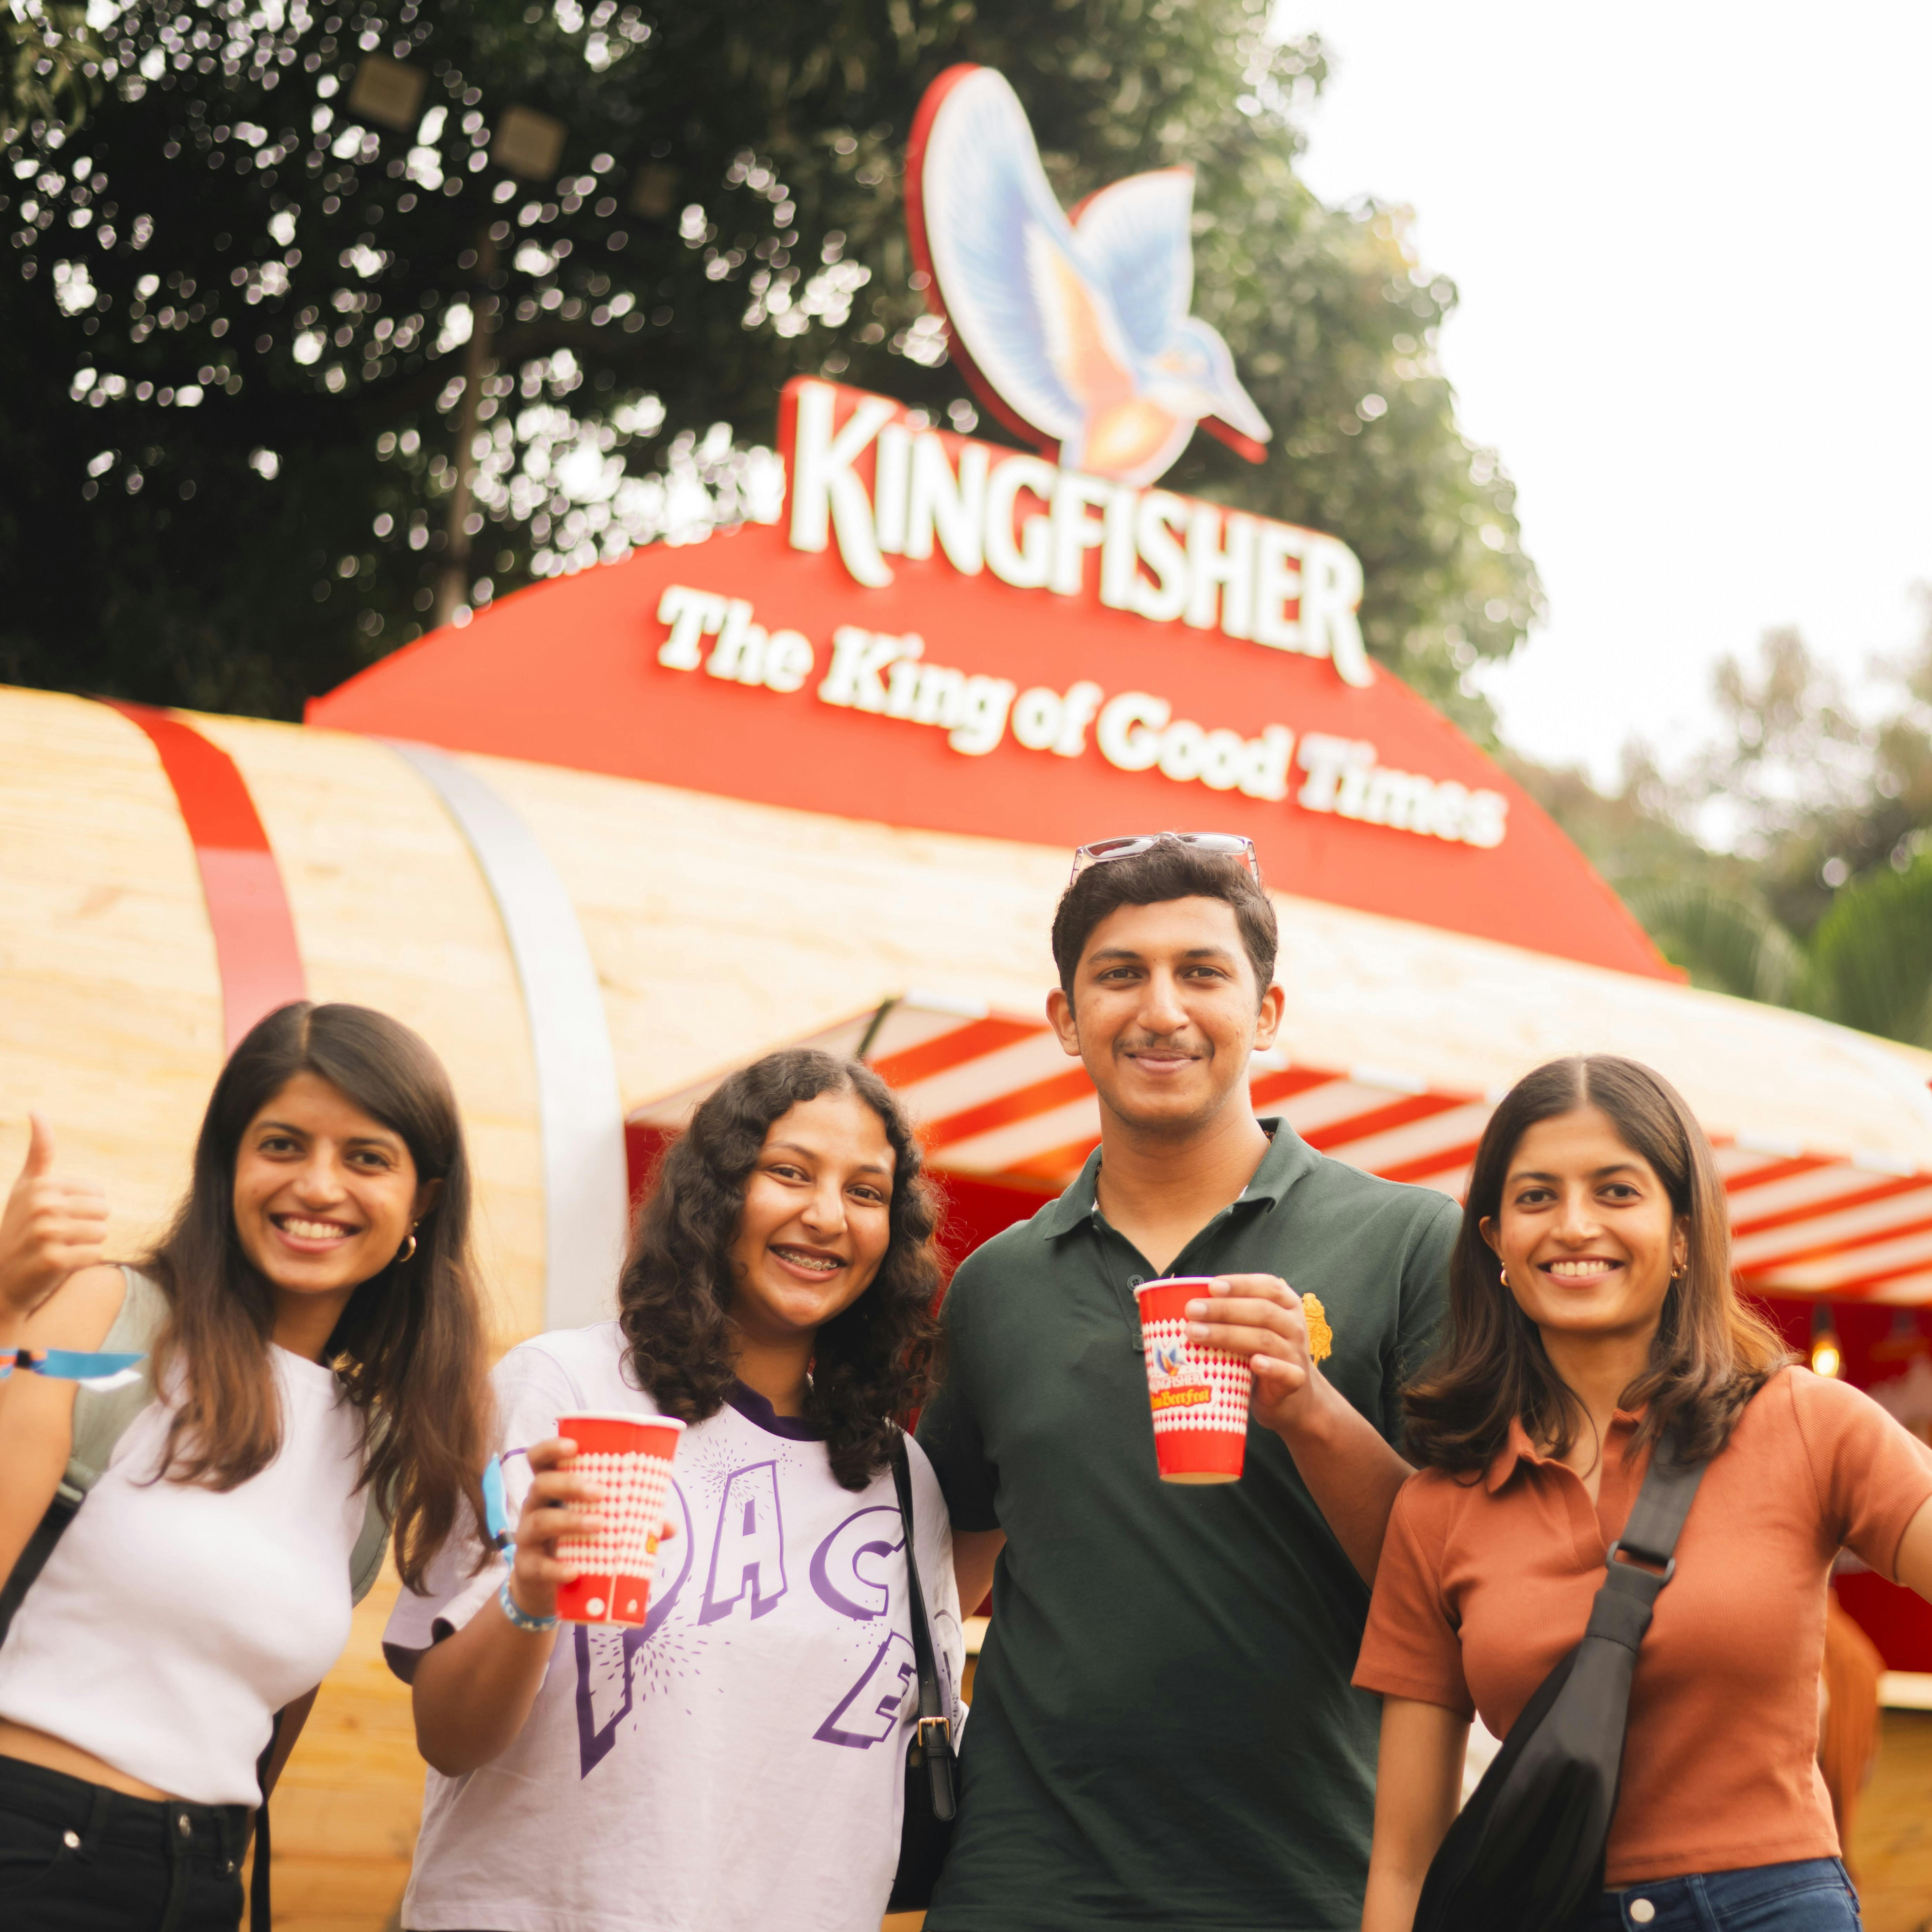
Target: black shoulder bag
(931, 1804)
(1527, 1851)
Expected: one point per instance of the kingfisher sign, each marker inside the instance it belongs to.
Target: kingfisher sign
(941, 632)
(862, 479)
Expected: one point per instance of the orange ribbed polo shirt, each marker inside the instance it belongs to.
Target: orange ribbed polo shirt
(1486, 1582)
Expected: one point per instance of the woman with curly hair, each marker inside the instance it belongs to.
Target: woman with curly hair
(739, 1762)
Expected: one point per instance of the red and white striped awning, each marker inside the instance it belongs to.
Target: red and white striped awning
(997, 1100)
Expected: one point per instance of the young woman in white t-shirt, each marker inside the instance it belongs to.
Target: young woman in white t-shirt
(317, 1339)
(738, 1764)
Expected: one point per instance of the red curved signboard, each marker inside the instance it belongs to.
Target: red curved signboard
(943, 634)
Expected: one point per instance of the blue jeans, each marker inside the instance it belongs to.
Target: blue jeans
(1808, 1895)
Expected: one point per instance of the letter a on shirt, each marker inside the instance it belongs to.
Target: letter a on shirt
(747, 1553)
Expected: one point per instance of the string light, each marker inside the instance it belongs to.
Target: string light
(1827, 1355)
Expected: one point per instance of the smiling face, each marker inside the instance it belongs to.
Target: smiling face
(1166, 1014)
(325, 1194)
(1585, 1230)
(817, 1219)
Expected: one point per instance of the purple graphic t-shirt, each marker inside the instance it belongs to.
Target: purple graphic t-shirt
(739, 1761)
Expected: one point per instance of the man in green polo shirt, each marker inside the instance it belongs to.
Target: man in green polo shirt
(1163, 1732)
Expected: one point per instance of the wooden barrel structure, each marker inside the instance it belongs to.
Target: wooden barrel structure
(585, 950)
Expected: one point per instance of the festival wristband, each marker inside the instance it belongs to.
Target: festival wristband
(521, 1617)
(496, 1521)
(95, 1371)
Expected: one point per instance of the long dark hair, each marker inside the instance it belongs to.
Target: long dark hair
(408, 1348)
(873, 1362)
(1710, 1355)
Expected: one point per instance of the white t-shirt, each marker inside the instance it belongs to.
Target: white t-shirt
(172, 1621)
(739, 1764)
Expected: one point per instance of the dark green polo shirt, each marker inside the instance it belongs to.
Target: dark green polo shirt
(1163, 1731)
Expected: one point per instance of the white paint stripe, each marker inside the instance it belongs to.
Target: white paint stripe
(587, 1197)
(908, 1024)
(1900, 1689)
(1906, 1256)
(1795, 1237)
(1336, 1100)
(1001, 1148)
(1910, 1291)
(1396, 1147)
(990, 1076)
(1814, 1191)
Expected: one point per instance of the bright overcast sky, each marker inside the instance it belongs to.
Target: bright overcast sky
(1692, 245)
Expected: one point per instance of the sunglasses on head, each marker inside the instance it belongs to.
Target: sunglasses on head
(1215, 844)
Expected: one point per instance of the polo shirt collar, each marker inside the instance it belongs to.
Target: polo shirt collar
(1518, 1448)
(1288, 1158)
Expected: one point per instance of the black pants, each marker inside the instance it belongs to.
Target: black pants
(76, 1857)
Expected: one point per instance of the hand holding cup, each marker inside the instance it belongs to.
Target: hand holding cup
(53, 1225)
(557, 1504)
(1280, 1334)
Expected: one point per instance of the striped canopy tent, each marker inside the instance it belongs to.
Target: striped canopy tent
(997, 1101)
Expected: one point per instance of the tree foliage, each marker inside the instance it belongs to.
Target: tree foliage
(234, 347)
(49, 64)
(1870, 956)
(1791, 861)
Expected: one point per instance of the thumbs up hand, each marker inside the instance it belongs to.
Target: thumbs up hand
(51, 1227)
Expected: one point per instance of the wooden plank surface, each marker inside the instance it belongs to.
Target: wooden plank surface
(110, 1007)
(1891, 1834)
(350, 1804)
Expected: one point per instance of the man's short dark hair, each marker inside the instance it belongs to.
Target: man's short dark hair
(1167, 870)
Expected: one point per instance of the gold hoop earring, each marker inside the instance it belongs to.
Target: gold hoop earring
(1502, 1275)
(407, 1252)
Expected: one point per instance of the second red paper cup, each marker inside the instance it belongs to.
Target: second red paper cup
(1198, 1395)
(628, 1457)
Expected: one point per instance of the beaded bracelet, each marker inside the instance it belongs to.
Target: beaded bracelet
(521, 1617)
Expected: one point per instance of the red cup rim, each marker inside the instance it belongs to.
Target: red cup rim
(1175, 1281)
(670, 1422)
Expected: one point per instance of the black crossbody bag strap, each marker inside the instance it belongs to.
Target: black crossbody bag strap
(929, 1803)
(933, 1739)
(1627, 1595)
(261, 1916)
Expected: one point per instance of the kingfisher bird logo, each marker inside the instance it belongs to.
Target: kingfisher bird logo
(1170, 1358)
(1075, 333)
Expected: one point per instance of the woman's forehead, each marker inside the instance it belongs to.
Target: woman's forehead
(838, 1125)
(315, 1105)
(1585, 1137)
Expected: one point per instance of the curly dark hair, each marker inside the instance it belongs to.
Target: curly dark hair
(874, 1362)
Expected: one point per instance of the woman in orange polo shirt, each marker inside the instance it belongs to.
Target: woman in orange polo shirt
(1591, 1308)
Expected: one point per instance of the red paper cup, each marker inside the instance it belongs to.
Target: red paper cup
(1198, 1395)
(629, 1458)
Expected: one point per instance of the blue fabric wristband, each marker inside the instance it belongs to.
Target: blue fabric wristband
(524, 1621)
